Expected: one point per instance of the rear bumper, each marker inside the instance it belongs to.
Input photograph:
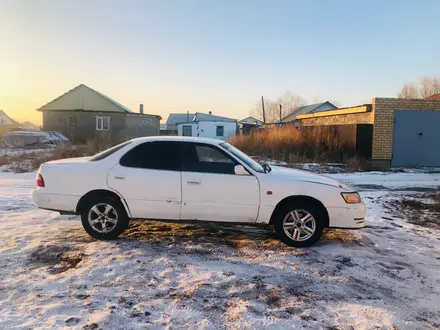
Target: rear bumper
(350, 217)
(43, 200)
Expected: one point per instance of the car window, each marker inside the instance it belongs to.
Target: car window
(108, 152)
(243, 157)
(160, 155)
(206, 158)
(208, 154)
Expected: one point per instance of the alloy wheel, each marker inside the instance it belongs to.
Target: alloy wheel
(299, 225)
(103, 217)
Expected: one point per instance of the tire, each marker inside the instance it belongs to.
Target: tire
(288, 225)
(104, 218)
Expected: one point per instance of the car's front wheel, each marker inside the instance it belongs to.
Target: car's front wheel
(104, 218)
(299, 224)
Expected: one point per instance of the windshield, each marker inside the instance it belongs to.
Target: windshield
(243, 157)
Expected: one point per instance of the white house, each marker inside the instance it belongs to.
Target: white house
(208, 125)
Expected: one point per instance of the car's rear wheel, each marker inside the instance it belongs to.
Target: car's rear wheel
(104, 218)
(299, 224)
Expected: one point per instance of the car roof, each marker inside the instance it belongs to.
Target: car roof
(178, 139)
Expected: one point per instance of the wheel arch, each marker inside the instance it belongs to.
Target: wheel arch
(101, 193)
(300, 199)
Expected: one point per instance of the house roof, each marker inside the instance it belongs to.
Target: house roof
(310, 108)
(176, 118)
(4, 115)
(340, 111)
(209, 117)
(81, 90)
(250, 117)
(433, 97)
(179, 118)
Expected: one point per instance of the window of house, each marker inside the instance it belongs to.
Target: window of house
(160, 155)
(205, 158)
(102, 123)
(220, 131)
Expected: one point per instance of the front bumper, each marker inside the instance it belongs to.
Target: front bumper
(351, 216)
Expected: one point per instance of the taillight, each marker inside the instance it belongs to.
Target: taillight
(40, 180)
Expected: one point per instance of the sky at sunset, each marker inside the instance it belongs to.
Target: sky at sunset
(202, 55)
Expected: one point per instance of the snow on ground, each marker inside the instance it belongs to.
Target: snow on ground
(21, 151)
(187, 276)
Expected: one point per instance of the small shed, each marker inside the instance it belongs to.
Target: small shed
(209, 126)
(174, 119)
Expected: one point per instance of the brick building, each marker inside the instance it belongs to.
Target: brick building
(389, 131)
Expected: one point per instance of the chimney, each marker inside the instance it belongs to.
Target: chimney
(210, 112)
(141, 108)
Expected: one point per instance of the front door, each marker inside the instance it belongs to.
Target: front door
(149, 178)
(210, 188)
(187, 130)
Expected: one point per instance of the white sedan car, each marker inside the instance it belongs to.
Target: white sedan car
(180, 178)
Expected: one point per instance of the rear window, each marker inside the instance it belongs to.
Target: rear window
(108, 152)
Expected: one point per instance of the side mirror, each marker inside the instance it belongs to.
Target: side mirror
(240, 170)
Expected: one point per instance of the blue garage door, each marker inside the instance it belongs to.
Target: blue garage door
(416, 139)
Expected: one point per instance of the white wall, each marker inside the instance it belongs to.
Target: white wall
(208, 129)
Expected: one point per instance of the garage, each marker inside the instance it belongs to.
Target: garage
(401, 132)
(416, 138)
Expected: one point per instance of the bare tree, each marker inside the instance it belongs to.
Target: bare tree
(429, 86)
(409, 91)
(335, 103)
(271, 111)
(288, 101)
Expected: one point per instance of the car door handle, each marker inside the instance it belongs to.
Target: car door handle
(194, 182)
(119, 177)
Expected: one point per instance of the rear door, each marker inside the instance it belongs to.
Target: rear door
(210, 188)
(149, 178)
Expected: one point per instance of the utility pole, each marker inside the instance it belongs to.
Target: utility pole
(281, 107)
(264, 112)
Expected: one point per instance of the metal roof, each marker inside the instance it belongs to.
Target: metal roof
(177, 118)
(310, 108)
(209, 117)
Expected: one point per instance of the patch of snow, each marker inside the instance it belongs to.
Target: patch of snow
(52, 275)
(21, 151)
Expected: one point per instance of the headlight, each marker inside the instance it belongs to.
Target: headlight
(351, 197)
